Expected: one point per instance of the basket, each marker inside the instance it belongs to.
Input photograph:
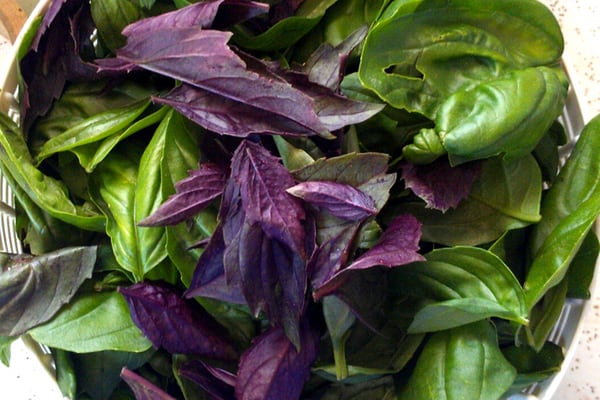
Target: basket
(566, 332)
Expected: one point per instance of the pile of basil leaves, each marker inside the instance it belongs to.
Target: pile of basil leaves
(319, 199)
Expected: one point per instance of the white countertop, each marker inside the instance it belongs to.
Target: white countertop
(580, 21)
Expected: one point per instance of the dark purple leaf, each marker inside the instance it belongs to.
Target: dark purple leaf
(192, 195)
(273, 277)
(330, 257)
(439, 184)
(142, 388)
(56, 57)
(217, 383)
(33, 289)
(233, 12)
(203, 59)
(273, 368)
(209, 276)
(175, 324)
(263, 181)
(199, 14)
(339, 199)
(333, 110)
(284, 9)
(398, 245)
(326, 65)
(226, 116)
(365, 292)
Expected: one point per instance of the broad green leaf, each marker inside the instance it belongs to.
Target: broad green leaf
(47, 192)
(111, 16)
(533, 366)
(514, 188)
(506, 196)
(461, 363)
(345, 16)
(508, 115)
(466, 284)
(98, 373)
(420, 51)
(583, 265)
(33, 289)
(93, 129)
(92, 322)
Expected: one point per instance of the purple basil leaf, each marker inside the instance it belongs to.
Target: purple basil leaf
(273, 368)
(192, 194)
(175, 324)
(365, 292)
(378, 188)
(33, 289)
(440, 185)
(209, 276)
(330, 257)
(217, 383)
(263, 181)
(398, 245)
(233, 12)
(199, 14)
(342, 200)
(226, 116)
(273, 277)
(333, 110)
(142, 388)
(284, 9)
(56, 57)
(203, 59)
(326, 65)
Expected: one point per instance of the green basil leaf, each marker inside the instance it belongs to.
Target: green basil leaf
(98, 373)
(506, 196)
(461, 363)
(467, 284)
(90, 323)
(546, 314)
(508, 115)
(92, 154)
(583, 265)
(65, 373)
(81, 101)
(5, 343)
(111, 16)
(93, 129)
(33, 289)
(533, 366)
(47, 192)
(514, 188)
(569, 210)
(421, 51)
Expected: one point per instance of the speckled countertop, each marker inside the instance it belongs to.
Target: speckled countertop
(580, 21)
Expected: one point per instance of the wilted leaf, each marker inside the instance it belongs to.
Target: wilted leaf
(32, 289)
